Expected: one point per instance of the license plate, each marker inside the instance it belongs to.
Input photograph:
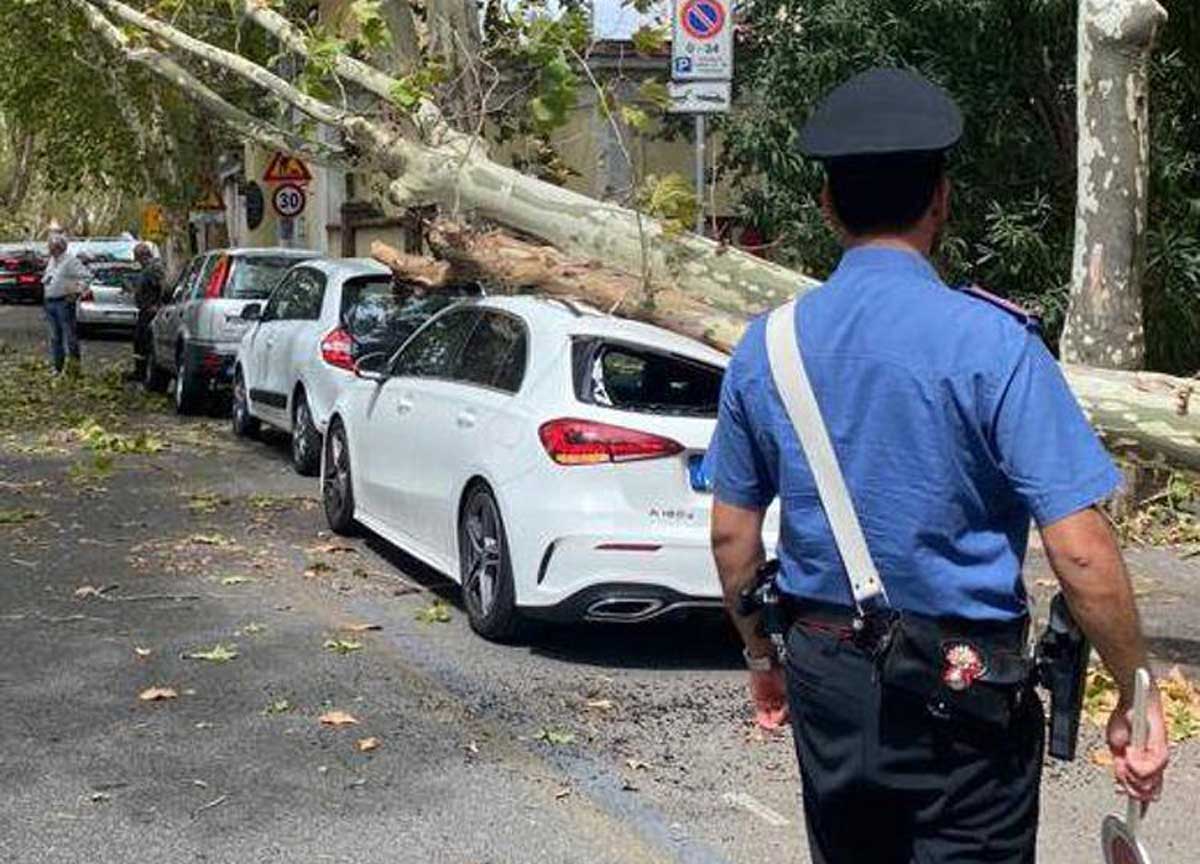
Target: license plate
(701, 481)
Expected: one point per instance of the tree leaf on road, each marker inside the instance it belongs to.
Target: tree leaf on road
(236, 580)
(331, 549)
(436, 612)
(141, 653)
(342, 646)
(279, 706)
(1101, 756)
(337, 718)
(216, 654)
(19, 517)
(366, 745)
(601, 704)
(253, 629)
(637, 765)
(557, 737)
(210, 540)
(157, 694)
(360, 627)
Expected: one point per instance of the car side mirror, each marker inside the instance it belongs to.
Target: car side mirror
(372, 367)
(251, 312)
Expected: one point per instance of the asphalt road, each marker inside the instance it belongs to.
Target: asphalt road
(583, 744)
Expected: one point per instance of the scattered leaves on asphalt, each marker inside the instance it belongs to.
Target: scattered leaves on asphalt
(279, 706)
(366, 745)
(253, 629)
(157, 694)
(19, 517)
(95, 437)
(216, 654)
(210, 540)
(601, 704)
(1180, 697)
(437, 612)
(206, 503)
(1101, 756)
(342, 646)
(331, 549)
(316, 568)
(141, 653)
(637, 765)
(337, 718)
(562, 793)
(236, 580)
(556, 737)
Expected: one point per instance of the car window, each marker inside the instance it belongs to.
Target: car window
(203, 276)
(645, 380)
(298, 297)
(434, 352)
(380, 313)
(495, 353)
(254, 278)
(125, 278)
(185, 277)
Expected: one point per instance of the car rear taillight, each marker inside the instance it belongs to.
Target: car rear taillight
(216, 282)
(10, 263)
(337, 349)
(87, 296)
(27, 278)
(585, 442)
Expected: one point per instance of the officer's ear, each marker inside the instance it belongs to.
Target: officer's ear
(940, 207)
(830, 212)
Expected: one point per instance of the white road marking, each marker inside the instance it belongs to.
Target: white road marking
(743, 801)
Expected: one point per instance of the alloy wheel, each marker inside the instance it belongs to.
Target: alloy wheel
(336, 474)
(483, 552)
(301, 435)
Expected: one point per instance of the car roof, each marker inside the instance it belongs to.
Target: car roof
(578, 318)
(267, 252)
(348, 268)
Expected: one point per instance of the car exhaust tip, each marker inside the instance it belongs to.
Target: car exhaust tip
(625, 609)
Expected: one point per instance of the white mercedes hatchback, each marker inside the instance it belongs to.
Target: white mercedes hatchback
(546, 456)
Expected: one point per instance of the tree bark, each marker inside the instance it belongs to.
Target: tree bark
(1145, 412)
(1104, 322)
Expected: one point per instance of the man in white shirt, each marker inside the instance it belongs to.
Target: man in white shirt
(66, 277)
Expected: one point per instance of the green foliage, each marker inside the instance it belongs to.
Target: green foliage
(650, 39)
(671, 199)
(1011, 66)
(417, 86)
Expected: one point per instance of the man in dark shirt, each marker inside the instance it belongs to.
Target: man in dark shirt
(148, 296)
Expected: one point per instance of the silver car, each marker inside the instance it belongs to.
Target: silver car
(109, 301)
(195, 335)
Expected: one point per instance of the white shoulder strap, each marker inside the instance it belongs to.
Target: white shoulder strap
(791, 380)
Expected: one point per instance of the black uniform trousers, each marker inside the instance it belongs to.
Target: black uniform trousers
(885, 782)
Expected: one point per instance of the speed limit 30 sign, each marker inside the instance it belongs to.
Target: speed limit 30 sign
(288, 200)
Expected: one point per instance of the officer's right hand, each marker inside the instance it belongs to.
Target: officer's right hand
(768, 691)
(1139, 772)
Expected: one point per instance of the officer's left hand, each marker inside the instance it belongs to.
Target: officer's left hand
(768, 690)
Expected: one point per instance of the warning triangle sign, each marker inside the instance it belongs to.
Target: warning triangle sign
(286, 169)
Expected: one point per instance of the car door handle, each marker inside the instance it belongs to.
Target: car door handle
(271, 342)
(466, 420)
(403, 405)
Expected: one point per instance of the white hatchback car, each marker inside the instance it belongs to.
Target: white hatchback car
(545, 455)
(302, 345)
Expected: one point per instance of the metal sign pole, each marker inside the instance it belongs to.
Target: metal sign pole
(699, 173)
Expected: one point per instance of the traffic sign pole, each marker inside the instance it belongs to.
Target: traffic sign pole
(700, 173)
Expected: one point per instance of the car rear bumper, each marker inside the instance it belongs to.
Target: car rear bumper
(96, 315)
(212, 364)
(623, 603)
(14, 288)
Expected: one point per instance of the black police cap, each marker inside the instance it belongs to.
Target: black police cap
(882, 111)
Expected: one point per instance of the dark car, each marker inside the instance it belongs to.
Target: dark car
(21, 269)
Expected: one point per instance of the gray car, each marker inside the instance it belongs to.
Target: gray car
(109, 301)
(195, 335)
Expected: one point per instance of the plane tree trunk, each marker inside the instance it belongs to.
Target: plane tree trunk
(1104, 322)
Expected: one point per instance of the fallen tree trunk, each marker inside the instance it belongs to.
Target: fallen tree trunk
(1145, 412)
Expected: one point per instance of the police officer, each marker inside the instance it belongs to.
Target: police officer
(148, 297)
(953, 427)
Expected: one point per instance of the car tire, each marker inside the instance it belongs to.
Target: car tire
(186, 388)
(306, 440)
(485, 568)
(153, 378)
(245, 424)
(337, 483)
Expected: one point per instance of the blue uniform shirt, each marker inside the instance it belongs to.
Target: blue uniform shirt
(953, 426)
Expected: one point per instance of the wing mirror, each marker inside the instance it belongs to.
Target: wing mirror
(251, 312)
(372, 367)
